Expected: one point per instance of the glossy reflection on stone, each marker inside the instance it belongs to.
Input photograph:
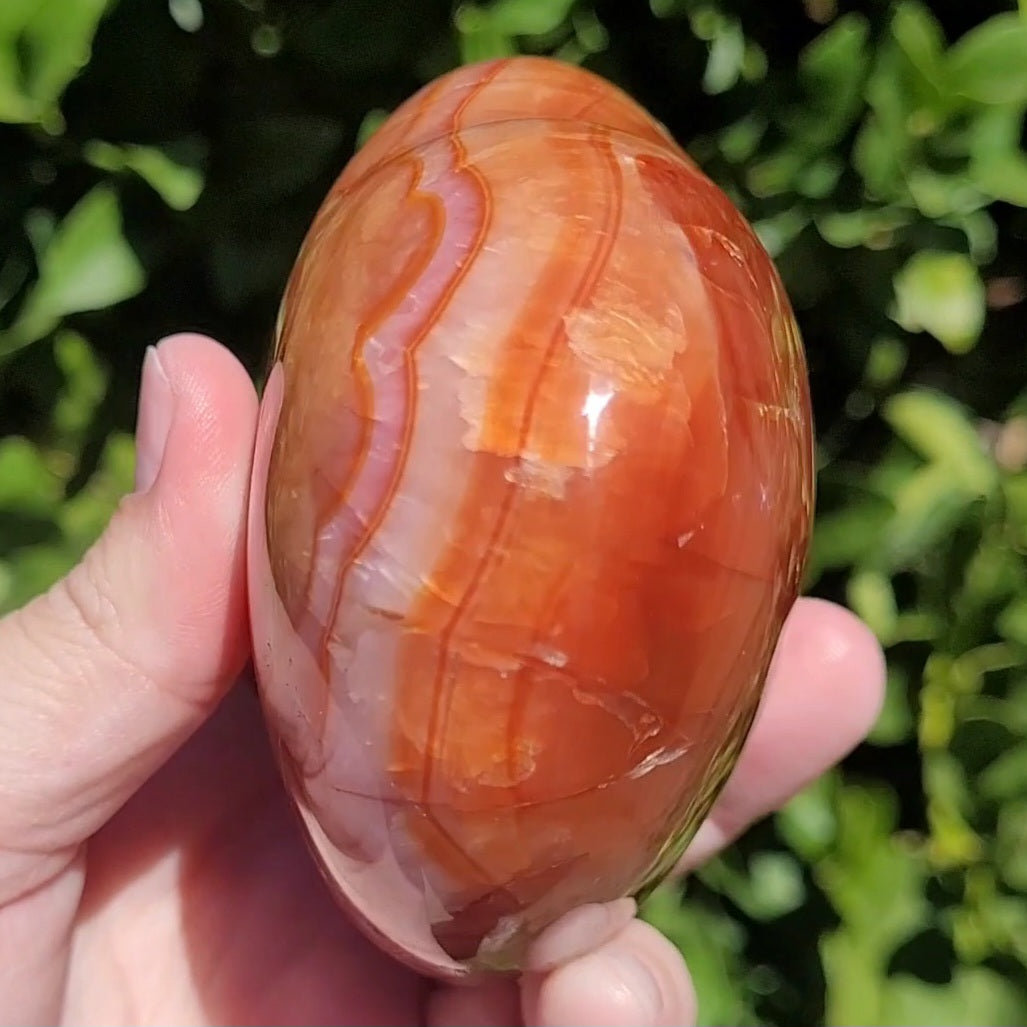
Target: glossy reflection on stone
(531, 499)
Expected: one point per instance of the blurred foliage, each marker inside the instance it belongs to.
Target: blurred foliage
(161, 159)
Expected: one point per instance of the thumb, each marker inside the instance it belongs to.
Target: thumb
(107, 673)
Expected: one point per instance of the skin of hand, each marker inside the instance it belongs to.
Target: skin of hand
(151, 870)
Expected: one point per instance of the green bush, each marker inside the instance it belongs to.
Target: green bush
(159, 164)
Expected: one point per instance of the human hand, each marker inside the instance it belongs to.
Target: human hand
(150, 869)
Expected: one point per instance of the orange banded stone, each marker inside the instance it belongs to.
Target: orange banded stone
(531, 500)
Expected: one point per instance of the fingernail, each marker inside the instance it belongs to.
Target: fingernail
(637, 987)
(579, 932)
(153, 422)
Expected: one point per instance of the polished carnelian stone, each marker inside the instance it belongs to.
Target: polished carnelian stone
(531, 499)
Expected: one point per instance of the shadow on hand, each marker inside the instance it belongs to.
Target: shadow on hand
(259, 938)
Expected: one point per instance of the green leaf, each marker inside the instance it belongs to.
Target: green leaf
(990, 576)
(739, 140)
(770, 886)
(994, 132)
(85, 385)
(871, 596)
(981, 235)
(850, 534)
(879, 158)
(846, 229)
(178, 185)
(59, 38)
(1010, 710)
(14, 16)
(372, 121)
(44, 44)
(938, 196)
(886, 361)
(187, 14)
(29, 570)
(514, 17)
(876, 885)
(1003, 177)
(938, 428)
(1005, 778)
(895, 722)
(86, 514)
(484, 44)
(928, 506)
(819, 179)
(832, 70)
(808, 823)
(488, 32)
(988, 64)
(953, 843)
(941, 293)
(997, 169)
(777, 232)
(921, 39)
(938, 697)
(15, 105)
(1012, 622)
(975, 995)
(777, 884)
(727, 54)
(26, 483)
(88, 265)
(906, 106)
(1011, 843)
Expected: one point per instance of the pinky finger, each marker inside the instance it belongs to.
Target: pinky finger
(636, 979)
